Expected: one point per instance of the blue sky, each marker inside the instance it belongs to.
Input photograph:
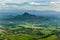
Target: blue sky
(30, 4)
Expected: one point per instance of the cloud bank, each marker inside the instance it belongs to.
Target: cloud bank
(30, 4)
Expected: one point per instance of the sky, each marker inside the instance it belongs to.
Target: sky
(30, 4)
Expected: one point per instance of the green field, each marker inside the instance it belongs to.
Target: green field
(28, 31)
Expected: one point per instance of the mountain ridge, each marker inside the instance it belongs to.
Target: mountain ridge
(27, 16)
(50, 14)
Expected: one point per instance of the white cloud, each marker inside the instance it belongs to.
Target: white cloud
(13, 1)
(58, 2)
(34, 3)
(4, 6)
(40, 3)
(53, 3)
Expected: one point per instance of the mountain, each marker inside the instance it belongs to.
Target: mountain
(12, 13)
(31, 16)
(28, 17)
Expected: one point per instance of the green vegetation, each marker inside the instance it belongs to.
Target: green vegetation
(29, 27)
(29, 32)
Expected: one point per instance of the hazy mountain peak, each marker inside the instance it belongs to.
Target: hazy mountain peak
(26, 13)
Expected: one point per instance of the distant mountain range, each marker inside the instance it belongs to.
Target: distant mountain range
(31, 16)
(28, 17)
(13, 13)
